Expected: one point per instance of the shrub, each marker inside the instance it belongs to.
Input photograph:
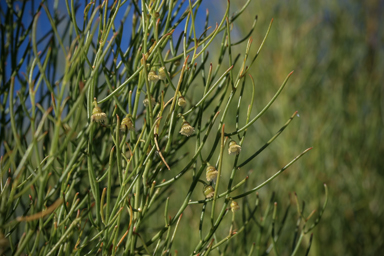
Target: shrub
(104, 137)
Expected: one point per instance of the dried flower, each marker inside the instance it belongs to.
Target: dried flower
(181, 101)
(234, 206)
(234, 148)
(187, 129)
(211, 173)
(152, 77)
(98, 115)
(146, 102)
(127, 123)
(209, 191)
(162, 74)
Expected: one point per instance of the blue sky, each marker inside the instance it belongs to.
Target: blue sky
(216, 8)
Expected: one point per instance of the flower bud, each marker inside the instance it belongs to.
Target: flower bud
(209, 191)
(211, 173)
(162, 74)
(187, 129)
(98, 116)
(234, 206)
(181, 101)
(234, 148)
(127, 123)
(152, 77)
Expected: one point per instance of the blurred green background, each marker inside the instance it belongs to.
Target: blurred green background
(336, 49)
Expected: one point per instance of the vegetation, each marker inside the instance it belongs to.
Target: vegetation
(337, 88)
(120, 138)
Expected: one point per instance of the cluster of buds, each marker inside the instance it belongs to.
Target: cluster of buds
(152, 77)
(127, 123)
(98, 116)
(186, 129)
(146, 102)
(209, 192)
(234, 148)
(211, 173)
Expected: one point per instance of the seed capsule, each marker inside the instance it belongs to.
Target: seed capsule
(234, 206)
(127, 123)
(187, 129)
(98, 116)
(181, 101)
(162, 74)
(211, 173)
(234, 148)
(209, 191)
(152, 77)
(146, 102)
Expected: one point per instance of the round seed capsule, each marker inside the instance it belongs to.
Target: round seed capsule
(98, 116)
(234, 206)
(209, 191)
(234, 148)
(211, 173)
(152, 77)
(162, 74)
(146, 102)
(187, 129)
(181, 101)
(127, 123)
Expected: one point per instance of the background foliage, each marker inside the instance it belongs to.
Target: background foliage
(337, 50)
